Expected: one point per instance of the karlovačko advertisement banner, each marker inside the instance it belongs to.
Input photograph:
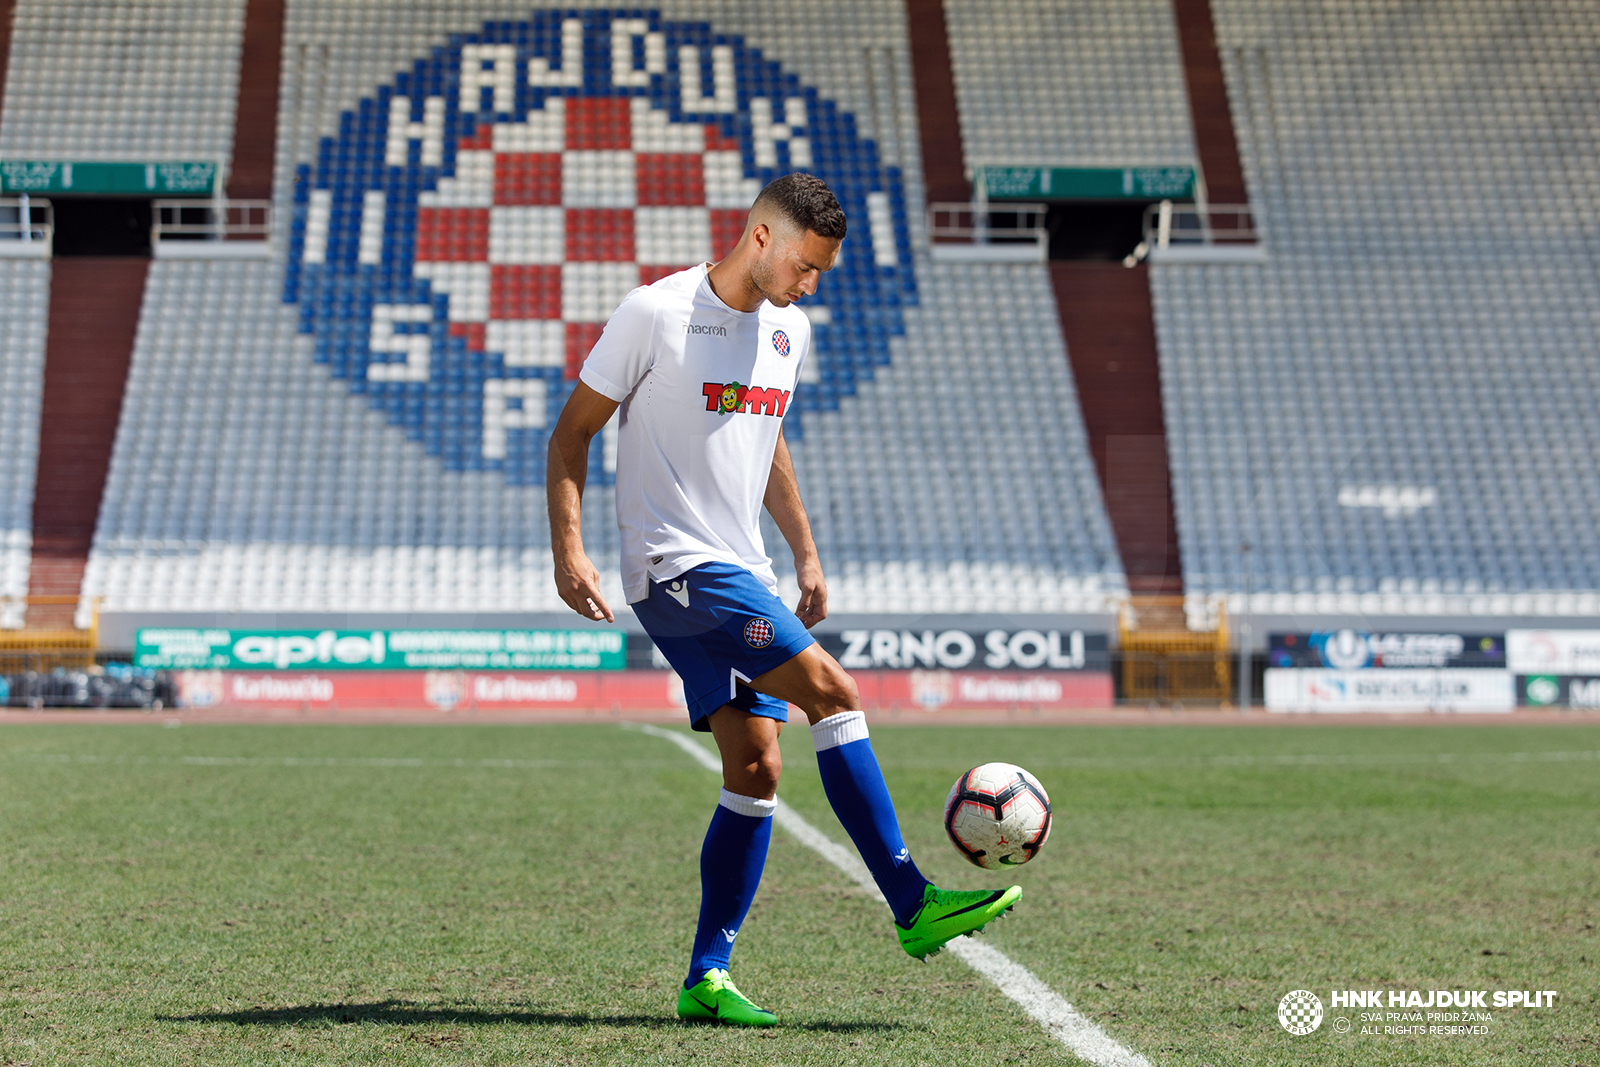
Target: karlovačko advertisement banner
(1580, 692)
(1396, 689)
(630, 690)
(949, 649)
(1561, 652)
(373, 650)
(1349, 650)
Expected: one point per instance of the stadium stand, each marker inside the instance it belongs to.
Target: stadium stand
(1079, 84)
(941, 451)
(1393, 411)
(24, 305)
(137, 79)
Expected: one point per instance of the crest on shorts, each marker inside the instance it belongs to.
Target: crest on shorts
(457, 246)
(758, 633)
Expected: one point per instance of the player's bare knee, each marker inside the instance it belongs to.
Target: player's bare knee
(764, 773)
(836, 692)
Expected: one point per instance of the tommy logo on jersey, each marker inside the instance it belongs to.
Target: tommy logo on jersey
(732, 397)
(457, 245)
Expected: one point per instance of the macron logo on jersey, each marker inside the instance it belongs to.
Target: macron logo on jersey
(731, 397)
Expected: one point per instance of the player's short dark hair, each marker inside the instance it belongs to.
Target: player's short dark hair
(806, 201)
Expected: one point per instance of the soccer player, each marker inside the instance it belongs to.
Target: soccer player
(704, 364)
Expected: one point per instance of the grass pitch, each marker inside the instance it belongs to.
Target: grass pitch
(487, 895)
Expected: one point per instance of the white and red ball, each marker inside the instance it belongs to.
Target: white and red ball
(997, 816)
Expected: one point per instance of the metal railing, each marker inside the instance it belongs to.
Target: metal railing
(26, 220)
(210, 220)
(1173, 229)
(1018, 229)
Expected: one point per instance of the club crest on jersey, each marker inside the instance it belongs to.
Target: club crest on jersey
(780, 341)
(758, 633)
(464, 231)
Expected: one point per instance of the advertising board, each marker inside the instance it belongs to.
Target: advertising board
(953, 649)
(631, 690)
(1349, 650)
(1396, 689)
(367, 650)
(1579, 692)
(1553, 651)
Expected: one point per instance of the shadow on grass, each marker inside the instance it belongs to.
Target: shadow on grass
(406, 1013)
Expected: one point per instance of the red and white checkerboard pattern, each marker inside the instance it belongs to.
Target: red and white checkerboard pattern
(547, 224)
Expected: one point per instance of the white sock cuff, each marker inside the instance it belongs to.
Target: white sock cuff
(838, 730)
(751, 806)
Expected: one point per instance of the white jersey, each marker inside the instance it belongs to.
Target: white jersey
(703, 390)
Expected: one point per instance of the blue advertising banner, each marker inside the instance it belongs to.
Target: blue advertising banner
(1350, 650)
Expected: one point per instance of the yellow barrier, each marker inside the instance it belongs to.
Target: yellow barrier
(1165, 661)
(44, 648)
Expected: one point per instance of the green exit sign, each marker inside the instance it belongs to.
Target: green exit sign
(1087, 183)
(88, 178)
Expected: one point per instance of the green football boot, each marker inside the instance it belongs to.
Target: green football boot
(949, 913)
(716, 999)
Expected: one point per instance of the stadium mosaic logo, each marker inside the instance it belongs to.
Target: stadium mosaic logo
(1300, 1012)
(457, 246)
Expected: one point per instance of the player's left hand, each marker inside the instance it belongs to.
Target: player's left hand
(813, 606)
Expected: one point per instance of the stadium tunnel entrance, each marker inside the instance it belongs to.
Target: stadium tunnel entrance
(101, 226)
(1089, 214)
(1094, 229)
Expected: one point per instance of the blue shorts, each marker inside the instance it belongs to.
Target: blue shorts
(720, 627)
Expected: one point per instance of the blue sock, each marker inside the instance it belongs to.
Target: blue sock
(731, 860)
(855, 788)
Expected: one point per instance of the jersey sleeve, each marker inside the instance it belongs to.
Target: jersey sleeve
(803, 345)
(624, 352)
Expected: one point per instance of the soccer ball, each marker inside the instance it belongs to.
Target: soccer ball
(997, 816)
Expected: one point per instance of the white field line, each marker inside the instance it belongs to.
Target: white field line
(1044, 1005)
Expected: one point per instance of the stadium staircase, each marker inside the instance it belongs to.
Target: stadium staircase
(8, 12)
(255, 121)
(94, 314)
(944, 168)
(1106, 320)
(1212, 119)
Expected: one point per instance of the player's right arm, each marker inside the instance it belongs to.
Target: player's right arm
(616, 363)
(585, 414)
